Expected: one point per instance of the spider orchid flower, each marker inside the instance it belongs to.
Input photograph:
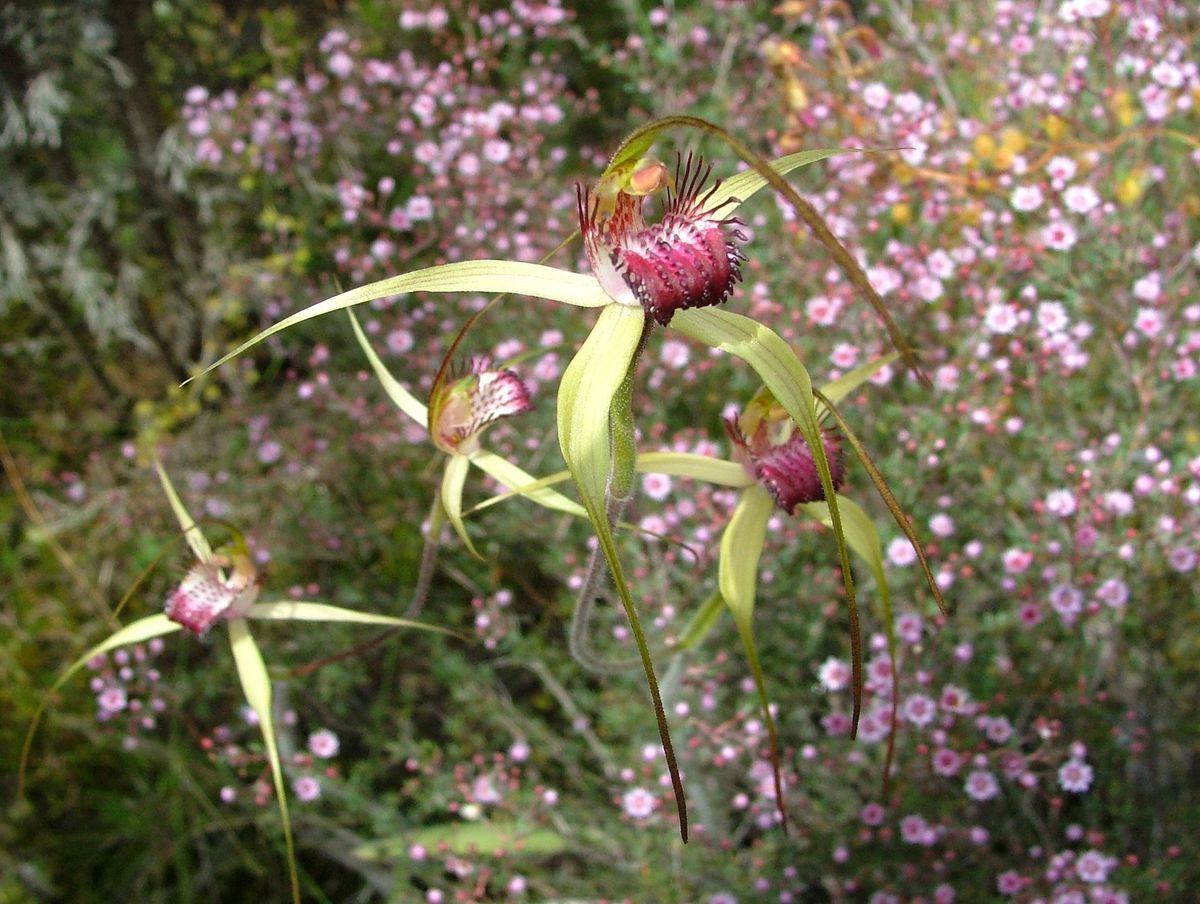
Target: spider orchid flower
(223, 586)
(672, 272)
(459, 411)
(774, 466)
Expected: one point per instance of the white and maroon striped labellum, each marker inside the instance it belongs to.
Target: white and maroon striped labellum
(207, 594)
(463, 407)
(775, 454)
(690, 258)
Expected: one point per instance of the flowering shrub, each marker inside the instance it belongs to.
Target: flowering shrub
(1035, 234)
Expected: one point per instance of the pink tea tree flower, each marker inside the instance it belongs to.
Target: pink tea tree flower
(672, 272)
(223, 587)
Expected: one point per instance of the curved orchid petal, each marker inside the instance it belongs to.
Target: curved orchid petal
(301, 610)
(741, 548)
(138, 632)
(485, 276)
(740, 188)
(836, 390)
(586, 395)
(256, 685)
(788, 380)
(699, 467)
(521, 483)
(401, 397)
(195, 539)
(453, 479)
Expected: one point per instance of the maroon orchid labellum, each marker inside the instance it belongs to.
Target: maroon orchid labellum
(773, 452)
(690, 258)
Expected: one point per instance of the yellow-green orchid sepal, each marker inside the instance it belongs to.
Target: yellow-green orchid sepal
(305, 610)
(138, 632)
(521, 483)
(401, 397)
(484, 276)
(836, 390)
(788, 381)
(256, 685)
(196, 540)
(698, 467)
(587, 394)
(740, 188)
(741, 548)
(453, 478)
(863, 539)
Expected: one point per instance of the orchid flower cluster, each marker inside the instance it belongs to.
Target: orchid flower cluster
(674, 273)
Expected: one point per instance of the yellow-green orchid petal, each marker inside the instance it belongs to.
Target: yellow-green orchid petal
(521, 483)
(453, 479)
(703, 621)
(484, 276)
(586, 396)
(698, 467)
(195, 539)
(744, 185)
(863, 538)
(138, 632)
(836, 390)
(788, 380)
(741, 548)
(302, 610)
(256, 685)
(401, 397)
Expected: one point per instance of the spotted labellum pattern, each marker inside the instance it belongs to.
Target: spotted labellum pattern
(463, 407)
(690, 258)
(207, 594)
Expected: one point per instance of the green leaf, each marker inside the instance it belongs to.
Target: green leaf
(300, 610)
(788, 380)
(465, 839)
(195, 539)
(586, 393)
(138, 632)
(401, 397)
(256, 685)
(741, 548)
(699, 467)
(486, 276)
(452, 491)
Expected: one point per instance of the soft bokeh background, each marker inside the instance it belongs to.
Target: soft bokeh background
(176, 175)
